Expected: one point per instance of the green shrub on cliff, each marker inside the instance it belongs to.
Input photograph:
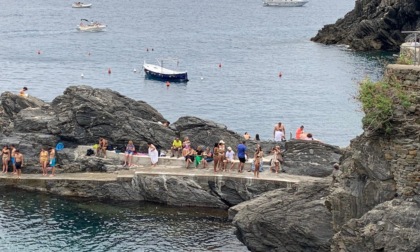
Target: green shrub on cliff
(379, 101)
(404, 59)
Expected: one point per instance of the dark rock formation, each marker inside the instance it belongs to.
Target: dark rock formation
(373, 25)
(390, 226)
(83, 114)
(285, 220)
(311, 158)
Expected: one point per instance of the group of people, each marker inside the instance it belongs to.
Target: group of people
(279, 134)
(12, 154)
(47, 160)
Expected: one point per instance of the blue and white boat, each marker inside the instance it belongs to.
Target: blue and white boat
(158, 72)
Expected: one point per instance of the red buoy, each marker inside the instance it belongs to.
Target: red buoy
(109, 70)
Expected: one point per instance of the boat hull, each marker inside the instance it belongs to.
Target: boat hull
(179, 77)
(290, 3)
(91, 28)
(81, 5)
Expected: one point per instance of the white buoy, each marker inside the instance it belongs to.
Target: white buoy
(134, 70)
(82, 76)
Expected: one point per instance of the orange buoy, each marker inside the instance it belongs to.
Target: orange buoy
(109, 70)
(280, 74)
(220, 65)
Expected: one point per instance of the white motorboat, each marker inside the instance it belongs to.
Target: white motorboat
(81, 5)
(85, 25)
(284, 3)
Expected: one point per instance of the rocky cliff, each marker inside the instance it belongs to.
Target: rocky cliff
(373, 25)
(380, 165)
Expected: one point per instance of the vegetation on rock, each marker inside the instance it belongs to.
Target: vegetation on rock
(404, 59)
(380, 100)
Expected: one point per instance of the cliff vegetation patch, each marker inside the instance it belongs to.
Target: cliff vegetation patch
(379, 102)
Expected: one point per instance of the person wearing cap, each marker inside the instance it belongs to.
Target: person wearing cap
(230, 156)
(18, 162)
(176, 147)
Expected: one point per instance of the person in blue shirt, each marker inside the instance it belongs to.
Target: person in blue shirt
(242, 156)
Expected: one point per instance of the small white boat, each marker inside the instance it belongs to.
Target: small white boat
(81, 5)
(284, 3)
(91, 27)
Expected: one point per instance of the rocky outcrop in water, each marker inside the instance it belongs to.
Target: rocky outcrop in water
(373, 25)
(390, 226)
(285, 220)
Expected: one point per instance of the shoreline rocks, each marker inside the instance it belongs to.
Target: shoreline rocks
(373, 25)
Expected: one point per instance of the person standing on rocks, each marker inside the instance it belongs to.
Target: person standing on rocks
(104, 147)
(18, 163)
(279, 132)
(153, 154)
(241, 156)
(336, 173)
(215, 156)
(5, 157)
(53, 161)
(221, 155)
(258, 157)
(128, 155)
(277, 159)
(12, 158)
(43, 160)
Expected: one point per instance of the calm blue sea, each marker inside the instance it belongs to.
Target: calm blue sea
(252, 43)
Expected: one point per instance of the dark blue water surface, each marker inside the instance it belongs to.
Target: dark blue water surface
(38, 222)
(252, 43)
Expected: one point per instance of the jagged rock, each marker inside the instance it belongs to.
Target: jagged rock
(373, 25)
(285, 220)
(176, 191)
(310, 158)
(390, 226)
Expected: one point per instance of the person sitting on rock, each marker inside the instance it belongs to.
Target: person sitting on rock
(23, 93)
(185, 146)
(208, 157)
(189, 157)
(247, 136)
(230, 157)
(299, 132)
(336, 173)
(198, 156)
(176, 147)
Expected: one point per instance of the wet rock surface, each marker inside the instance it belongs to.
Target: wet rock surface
(373, 25)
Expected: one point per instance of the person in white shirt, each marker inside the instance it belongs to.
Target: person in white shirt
(230, 157)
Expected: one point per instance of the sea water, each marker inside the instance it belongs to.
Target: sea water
(234, 52)
(31, 221)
